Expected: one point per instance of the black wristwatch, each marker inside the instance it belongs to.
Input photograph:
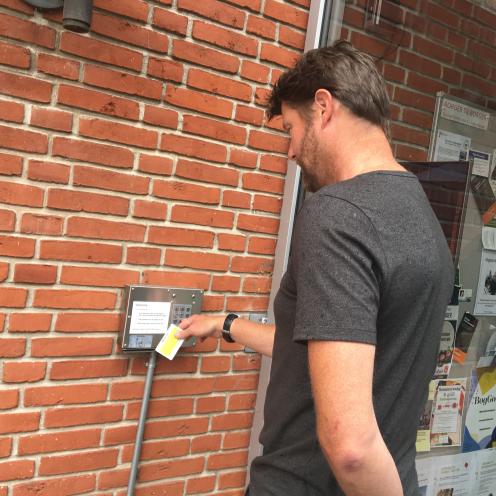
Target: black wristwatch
(226, 328)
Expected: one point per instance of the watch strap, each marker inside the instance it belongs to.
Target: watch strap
(226, 327)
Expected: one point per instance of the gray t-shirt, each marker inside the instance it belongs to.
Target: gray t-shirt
(369, 264)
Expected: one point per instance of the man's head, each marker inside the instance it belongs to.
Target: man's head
(348, 74)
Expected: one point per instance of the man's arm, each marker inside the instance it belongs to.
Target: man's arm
(341, 375)
(259, 337)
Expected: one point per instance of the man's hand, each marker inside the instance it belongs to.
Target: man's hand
(201, 326)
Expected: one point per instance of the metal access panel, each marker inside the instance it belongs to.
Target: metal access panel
(149, 310)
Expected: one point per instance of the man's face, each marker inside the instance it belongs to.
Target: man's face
(304, 147)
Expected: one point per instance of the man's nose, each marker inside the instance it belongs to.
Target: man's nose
(291, 153)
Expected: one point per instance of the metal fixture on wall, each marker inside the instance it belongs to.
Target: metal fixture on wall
(76, 13)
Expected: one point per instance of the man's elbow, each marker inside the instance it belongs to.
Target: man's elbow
(346, 454)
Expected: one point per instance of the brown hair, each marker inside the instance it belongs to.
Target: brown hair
(348, 74)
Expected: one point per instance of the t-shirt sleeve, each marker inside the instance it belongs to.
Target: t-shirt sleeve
(337, 272)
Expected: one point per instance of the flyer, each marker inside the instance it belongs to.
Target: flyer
(456, 475)
(480, 422)
(485, 302)
(447, 344)
(451, 147)
(447, 409)
(463, 337)
(481, 162)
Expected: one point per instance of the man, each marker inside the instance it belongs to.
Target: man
(360, 308)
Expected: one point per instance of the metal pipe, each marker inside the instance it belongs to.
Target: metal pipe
(141, 424)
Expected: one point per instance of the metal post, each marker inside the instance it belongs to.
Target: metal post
(141, 423)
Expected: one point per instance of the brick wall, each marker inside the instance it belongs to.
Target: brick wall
(134, 154)
(428, 46)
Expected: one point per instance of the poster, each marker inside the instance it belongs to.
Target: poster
(481, 162)
(447, 409)
(456, 475)
(451, 147)
(485, 303)
(149, 317)
(446, 346)
(485, 484)
(464, 335)
(480, 422)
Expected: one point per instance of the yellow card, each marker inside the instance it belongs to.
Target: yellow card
(169, 344)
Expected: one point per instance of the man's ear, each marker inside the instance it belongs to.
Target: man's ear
(324, 104)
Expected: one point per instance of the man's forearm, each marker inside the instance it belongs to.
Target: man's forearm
(258, 337)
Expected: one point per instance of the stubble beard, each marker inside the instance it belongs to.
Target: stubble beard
(309, 161)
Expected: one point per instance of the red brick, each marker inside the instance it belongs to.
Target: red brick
(122, 82)
(426, 85)
(87, 322)
(159, 450)
(137, 255)
(5, 448)
(58, 66)
(16, 247)
(219, 85)
(180, 237)
(161, 117)
(201, 485)
(212, 304)
(207, 57)
(251, 264)
(79, 484)
(236, 199)
(262, 246)
(176, 190)
(165, 19)
(60, 441)
(48, 172)
(281, 56)
(25, 87)
(103, 229)
(230, 40)
(243, 158)
(13, 297)
(35, 274)
(191, 147)
(414, 100)
(64, 464)
(16, 470)
(155, 164)
(11, 111)
(117, 132)
(257, 285)
(283, 12)
(261, 27)
(196, 260)
(15, 56)
(202, 216)
(421, 64)
(263, 182)
(41, 224)
(291, 37)
(254, 5)
(242, 401)
(10, 165)
(19, 139)
(236, 382)
(98, 276)
(19, 422)
(269, 142)
(64, 395)
(80, 252)
(113, 478)
(133, 34)
(232, 242)
(145, 209)
(80, 201)
(114, 181)
(227, 460)
(214, 129)
(232, 421)
(215, 11)
(51, 119)
(247, 304)
(226, 283)
(267, 204)
(68, 417)
(180, 365)
(175, 428)
(249, 115)
(7, 220)
(200, 102)
(202, 444)
(9, 399)
(62, 298)
(165, 69)
(206, 173)
(27, 31)
(134, 9)
(257, 223)
(173, 468)
(89, 151)
(177, 279)
(30, 322)
(20, 194)
(432, 50)
(274, 164)
(18, 5)
(232, 479)
(255, 72)
(97, 101)
(4, 273)
(100, 51)
(404, 152)
(15, 372)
